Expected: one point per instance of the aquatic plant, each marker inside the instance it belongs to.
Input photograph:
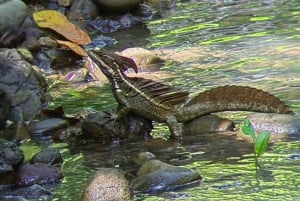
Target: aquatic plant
(260, 140)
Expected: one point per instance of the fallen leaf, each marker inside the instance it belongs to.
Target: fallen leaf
(73, 46)
(59, 23)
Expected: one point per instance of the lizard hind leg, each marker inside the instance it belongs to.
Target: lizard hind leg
(176, 128)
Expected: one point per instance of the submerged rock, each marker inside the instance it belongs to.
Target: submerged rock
(37, 174)
(111, 24)
(108, 185)
(155, 177)
(103, 127)
(276, 123)
(34, 192)
(11, 156)
(146, 60)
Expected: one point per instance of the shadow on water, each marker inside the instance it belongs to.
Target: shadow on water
(213, 43)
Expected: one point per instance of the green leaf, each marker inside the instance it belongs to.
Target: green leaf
(261, 143)
(248, 129)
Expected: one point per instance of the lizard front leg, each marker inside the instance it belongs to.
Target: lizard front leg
(176, 128)
(123, 111)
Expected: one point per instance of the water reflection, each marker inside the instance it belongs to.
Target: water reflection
(215, 43)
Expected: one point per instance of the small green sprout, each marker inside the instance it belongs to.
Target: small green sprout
(260, 141)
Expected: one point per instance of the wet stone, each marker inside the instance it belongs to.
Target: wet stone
(276, 123)
(112, 24)
(208, 124)
(100, 41)
(47, 126)
(10, 157)
(34, 192)
(103, 127)
(155, 177)
(5, 103)
(64, 3)
(49, 155)
(32, 44)
(108, 184)
(12, 13)
(37, 174)
(146, 60)
(26, 87)
(82, 9)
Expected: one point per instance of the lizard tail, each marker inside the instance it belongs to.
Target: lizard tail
(235, 98)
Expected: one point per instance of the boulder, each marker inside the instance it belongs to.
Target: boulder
(49, 155)
(208, 124)
(12, 13)
(275, 123)
(30, 174)
(11, 156)
(108, 185)
(18, 79)
(146, 60)
(155, 177)
(103, 127)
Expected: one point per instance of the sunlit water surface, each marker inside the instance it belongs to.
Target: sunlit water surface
(213, 43)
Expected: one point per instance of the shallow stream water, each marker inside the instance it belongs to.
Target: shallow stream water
(213, 43)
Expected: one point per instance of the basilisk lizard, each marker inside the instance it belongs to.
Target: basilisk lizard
(163, 103)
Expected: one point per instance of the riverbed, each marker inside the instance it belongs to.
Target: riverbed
(208, 44)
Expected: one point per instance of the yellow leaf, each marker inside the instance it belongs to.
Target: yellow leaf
(59, 23)
(74, 47)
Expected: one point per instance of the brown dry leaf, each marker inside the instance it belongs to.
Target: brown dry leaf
(74, 47)
(58, 22)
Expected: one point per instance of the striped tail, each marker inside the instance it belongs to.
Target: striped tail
(234, 98)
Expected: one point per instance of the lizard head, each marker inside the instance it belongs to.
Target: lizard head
(112, 64)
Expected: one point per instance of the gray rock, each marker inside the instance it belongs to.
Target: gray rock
(103, 126)
(49, 155)
(5, 103)
(34, 192)
(10, 156)
(276, 123)
(108, 185)
(83, 9)
(12, 13)
(208, 124)
(30, 174)
(22, 83)
(156, 177)
(146, 60)
(143, 157)
(47, 126)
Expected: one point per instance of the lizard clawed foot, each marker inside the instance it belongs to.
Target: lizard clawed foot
(176, 128)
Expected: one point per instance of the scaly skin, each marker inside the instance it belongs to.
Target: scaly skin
(163, 103)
